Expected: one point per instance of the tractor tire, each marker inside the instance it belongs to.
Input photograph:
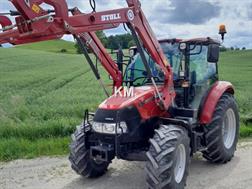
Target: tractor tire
(223, 131)
(80, 159)
(168, 158)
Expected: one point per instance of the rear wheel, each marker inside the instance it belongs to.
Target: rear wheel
(80, 159)
(168, 158)
(223, 131)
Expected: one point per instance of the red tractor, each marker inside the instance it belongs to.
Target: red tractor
(167, 102)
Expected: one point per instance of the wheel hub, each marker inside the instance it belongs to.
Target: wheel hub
(229, 128)
(180, 163)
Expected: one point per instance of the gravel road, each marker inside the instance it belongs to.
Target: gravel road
(55, 173)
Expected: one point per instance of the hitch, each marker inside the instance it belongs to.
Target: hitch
(102, 153)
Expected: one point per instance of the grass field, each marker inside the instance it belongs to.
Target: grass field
(43, 96)
(51, 46)
(236, 66)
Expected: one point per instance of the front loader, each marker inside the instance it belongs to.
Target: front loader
(167, 101)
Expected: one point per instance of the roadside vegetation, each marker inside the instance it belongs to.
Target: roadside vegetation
(236, 67)
(43, 94)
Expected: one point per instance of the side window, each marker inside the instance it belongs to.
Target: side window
(200, 69)
(201, 73)
(212, 70)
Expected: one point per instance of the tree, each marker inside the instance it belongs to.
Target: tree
(131, 43)
(114, 41)
(243, 48)
(101, 35)
(232, 48)
(223, 49)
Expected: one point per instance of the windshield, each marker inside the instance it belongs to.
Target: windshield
(136, 73)
(173, 54)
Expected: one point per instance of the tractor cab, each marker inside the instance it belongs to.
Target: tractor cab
(194, 64)
(195, 69)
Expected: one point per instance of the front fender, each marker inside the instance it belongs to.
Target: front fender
(215, 93)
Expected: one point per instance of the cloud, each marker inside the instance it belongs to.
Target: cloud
(249, 11)
(187, 11)
(100, 5)
(182, 18)
(5, 6)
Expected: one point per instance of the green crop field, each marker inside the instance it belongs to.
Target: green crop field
(43, 94)
(236, 67)
(55, 46)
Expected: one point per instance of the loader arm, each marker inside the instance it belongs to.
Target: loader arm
(94, 43)
(36, 24)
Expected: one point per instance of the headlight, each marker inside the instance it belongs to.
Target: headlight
(110, 128)
(97, 127)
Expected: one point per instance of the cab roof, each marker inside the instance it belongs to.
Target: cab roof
(204, 41)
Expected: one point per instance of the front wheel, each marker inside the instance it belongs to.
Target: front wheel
(80, 159)
(223, 131)
(168, 158)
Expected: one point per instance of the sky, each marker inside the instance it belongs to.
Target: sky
(184, 18)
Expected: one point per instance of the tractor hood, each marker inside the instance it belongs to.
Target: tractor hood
(141, 102)
(120, 100)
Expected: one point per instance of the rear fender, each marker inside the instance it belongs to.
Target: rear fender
(211, 100)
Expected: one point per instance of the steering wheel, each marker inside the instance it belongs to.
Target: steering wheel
(145, 80)
(131, 82)
(135, 69)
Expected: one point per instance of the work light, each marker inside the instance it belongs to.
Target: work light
(110, 128)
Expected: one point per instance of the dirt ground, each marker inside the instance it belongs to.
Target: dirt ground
(55, 173)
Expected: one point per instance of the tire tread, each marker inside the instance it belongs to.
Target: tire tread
(215, 151)
(160, 162)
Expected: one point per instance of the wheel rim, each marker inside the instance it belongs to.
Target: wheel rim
(180, 163)
(229, 128)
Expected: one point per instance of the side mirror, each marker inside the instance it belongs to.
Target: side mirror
(213, 53)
